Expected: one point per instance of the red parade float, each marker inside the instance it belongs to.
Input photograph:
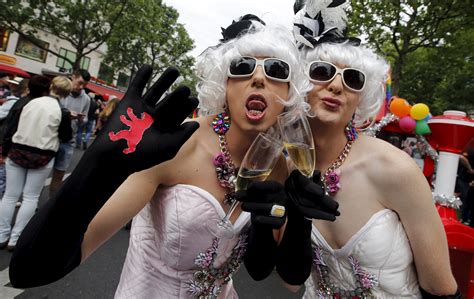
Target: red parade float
(450, 134)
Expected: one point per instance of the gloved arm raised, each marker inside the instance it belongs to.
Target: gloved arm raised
(138, 135)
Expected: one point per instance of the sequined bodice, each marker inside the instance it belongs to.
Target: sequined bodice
(178, 225)
(376, 262)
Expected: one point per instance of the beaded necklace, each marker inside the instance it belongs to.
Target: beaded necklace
(225, 168)
(208, 281)
(365, 281)
(331, 176)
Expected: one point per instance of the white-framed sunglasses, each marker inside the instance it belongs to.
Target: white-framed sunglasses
(273, 68)
(323, 72)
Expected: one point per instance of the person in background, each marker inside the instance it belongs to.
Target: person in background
(30, 158)
(408, 147)
(104, 115)
(86, 128)
(464, 180)
(77, 103)
(4, 86)
(20, 92)
(38, 86)
(470, 193)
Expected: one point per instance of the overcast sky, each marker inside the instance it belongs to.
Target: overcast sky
(204, 18)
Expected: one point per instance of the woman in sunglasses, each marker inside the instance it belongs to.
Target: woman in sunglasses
(176, 249)
(388, 241)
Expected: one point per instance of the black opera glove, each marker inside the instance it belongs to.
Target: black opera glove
(266, 201)
(260, 199)
(426, 295)
(309, 198)
(306, 200)
(138, 135)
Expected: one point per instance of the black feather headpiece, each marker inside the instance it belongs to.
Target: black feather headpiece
(321, 21)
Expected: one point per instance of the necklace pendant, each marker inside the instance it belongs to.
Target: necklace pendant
(332, 181)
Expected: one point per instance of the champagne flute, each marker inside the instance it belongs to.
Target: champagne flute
(256, 166)
(298, 140)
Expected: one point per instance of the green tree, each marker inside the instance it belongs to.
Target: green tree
(150, 34)
(85, 24)
(398, 28)
(444, 76)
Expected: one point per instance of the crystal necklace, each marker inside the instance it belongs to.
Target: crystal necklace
(225, 168)
(330, 178)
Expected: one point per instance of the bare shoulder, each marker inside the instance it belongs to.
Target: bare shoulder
(387, 158)
(393, 172)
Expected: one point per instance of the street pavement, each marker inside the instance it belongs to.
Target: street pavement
(98, 276)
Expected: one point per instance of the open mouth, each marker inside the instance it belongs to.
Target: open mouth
(255, 107)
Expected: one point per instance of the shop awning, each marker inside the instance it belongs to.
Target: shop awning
(102, 90)
(13, 70)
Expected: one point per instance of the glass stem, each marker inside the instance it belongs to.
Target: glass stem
(231, 210)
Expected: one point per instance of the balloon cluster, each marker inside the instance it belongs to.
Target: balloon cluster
(412, 118)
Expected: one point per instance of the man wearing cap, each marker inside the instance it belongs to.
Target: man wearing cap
(17, 90)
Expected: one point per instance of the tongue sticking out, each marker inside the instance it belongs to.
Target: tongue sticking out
(255, 109)
(256, 106)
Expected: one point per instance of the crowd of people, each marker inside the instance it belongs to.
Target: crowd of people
(40, 121)
(348, 231)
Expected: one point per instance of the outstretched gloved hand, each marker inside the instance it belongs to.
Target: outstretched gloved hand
(141, 133)
(138, 135)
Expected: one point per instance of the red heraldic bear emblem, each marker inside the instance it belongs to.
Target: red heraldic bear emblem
(134, 135)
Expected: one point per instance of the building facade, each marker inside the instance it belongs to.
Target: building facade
(18, 52)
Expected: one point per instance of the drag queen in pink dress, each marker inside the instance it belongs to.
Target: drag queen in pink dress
(138, 167)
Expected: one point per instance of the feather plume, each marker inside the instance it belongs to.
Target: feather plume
(315, 19)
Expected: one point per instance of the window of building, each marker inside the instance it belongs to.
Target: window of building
(106, 73)
(122, 80)
(31, 50)
(65, 65)
(3, 39)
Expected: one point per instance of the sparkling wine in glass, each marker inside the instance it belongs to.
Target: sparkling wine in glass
(256, 166)
(298, 140)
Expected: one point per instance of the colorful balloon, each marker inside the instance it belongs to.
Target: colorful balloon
(419, 111)
(427, 118)
(407, 123)
(422, 128)
(399, 107)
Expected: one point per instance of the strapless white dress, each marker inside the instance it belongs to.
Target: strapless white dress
(174, 249)
(376, 262)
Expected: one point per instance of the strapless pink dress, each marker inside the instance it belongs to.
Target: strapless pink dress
(175, 250)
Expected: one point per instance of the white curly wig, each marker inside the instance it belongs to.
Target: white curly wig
(375, 68)
(263, 41)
